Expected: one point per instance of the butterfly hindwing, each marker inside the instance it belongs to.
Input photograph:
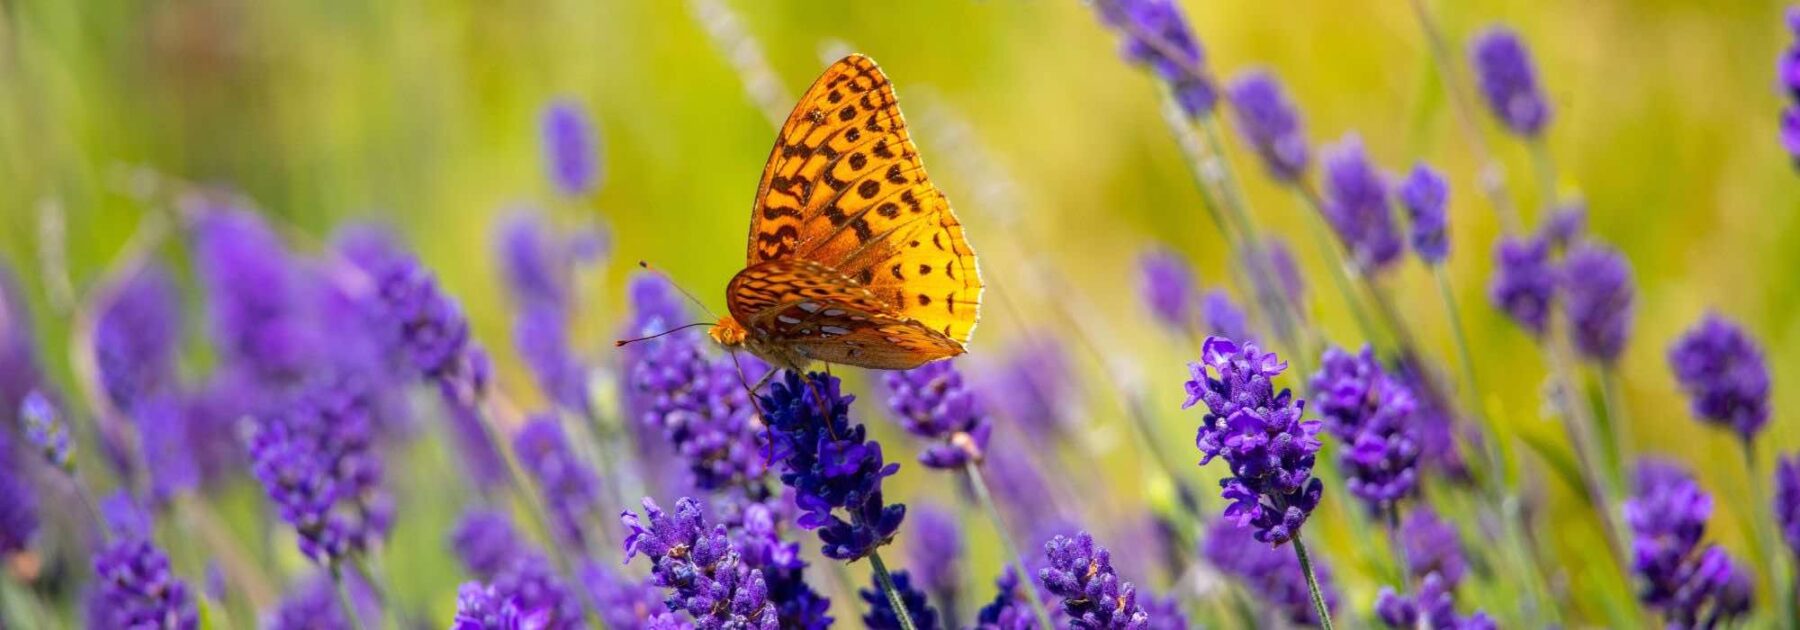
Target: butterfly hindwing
(816, 313)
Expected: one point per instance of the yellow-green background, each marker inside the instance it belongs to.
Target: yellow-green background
(425, 114)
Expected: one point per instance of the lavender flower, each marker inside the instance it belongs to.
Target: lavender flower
(1787, 70)
(1724, 374)
(702, 408)
(1598, 296)
(1167, 285)
(136, 588)
(934, 404)
(1691, 585)
(570, 148)
(162, 430)
(1223, 318)
(297, 478)
(758, 539)
(488, 608)
(620, 601)
(831, 464)
(1372, 412)
(569, 486)
(1093, 595)
(1035, 387)
(536, 265)
(1509, 82)
(422, 323)
(1435, 423)
(1566, 225)
(1356, 205)
(256, 297)
(1009, 609)
(882, 616)
(1787, 500)
(135, 337)
(700, 567)
(1432, 547)
(19, 373)
(1424, 194)
(486, 542)
(1271, 574)
(1432, 607)
(935, 555)
(1261, 436)
(1282, 273)
(1271, 125)
(534, 585)
(1156, 34)
(1524, 282)
(46, 432)
(18, 501)
(313, 605)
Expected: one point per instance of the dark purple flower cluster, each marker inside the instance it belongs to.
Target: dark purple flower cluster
(1787, 500)
(702, 405)
(313, 605)
(422, 323)
(135, 337)
(1093, 595)
(1509, 82)
(1167, 285)
(481, 607)
(298, 480)
(1157, 34)
(1356, 205)
(881, 614)
(1724, 374)
(570, 488)
(571, 151)
(1009, 609)
(1691, 585)
(135, 587)
(1432, 547)
(1524, 282)
(934, 404)
(1261, 435)
(758, 539)
(1271, 124)
(700, 567)
(831, 464)
(1597, 300)
(1434, 419)
(1372, 412)
(18, 501)
(1424, 194)
(513, 571)
(256, 298)
(1272, 575)
(1433, 607)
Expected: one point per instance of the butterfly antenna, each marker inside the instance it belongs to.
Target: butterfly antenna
(676, 329)
(684, 292)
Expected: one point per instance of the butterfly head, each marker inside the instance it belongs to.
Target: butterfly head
(728, 332)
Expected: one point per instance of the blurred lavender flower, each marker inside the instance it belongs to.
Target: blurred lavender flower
(162, 430)
(422, 323)
(255, 295)
(1371, 412)
(1424, 195)
(1223, 318)
(571, 151)
(135, 337)
(1009, 609)
(481, 458)
(1433, 607)
(1035, 386)
(1435, 422)
(1167, 285)
(881, 615)
(535, 264)
(1566, 225)
(1093, 595)
(1260, 434)
(136, 588)
(46, 431)
(1787, 71)
(313, 605)
(298, 481)
(935, 555)
(18, 501)
(700, 567)
(1156, 33)
(1270, 574)
(831, 464)
(540, 333)
(570, 487)
(934, 404)
(1690, 585)
(486, 542)
(1509, 82)
(701, 406)
(1432, 547)
(1597, 299)
(1283, 273)
(1524, 282)
(621, 602)
(1356, 205)
(488, 608)
(1724, 374)
(1271, 124)
(533, 583)
(1787, 500)
(18, 358)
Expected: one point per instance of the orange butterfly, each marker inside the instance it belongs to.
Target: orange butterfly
(854, 256)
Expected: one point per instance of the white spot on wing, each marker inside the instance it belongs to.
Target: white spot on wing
(834, 312)
(834, 330)
(786, 320)
(810, 307)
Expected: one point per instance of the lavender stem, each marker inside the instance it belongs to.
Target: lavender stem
(1761, 516)
(1312, 584)
(1017, 561)
(1492, 179)
(343, 597)
(886, 582)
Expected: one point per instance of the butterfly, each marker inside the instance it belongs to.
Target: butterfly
(854, 256)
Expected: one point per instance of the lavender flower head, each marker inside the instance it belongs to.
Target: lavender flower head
(1009, 609)
(1093, 595)
(1157, 34)
(881, 615)
(1272, 575)
(1167, 284)
(297, 478)
(831, 464)
(46, 432)
(1787, 500)
(486, 542)
(1223, 317)
(934, 404)
(1372, 412)
(1788, 74)
(1035, 387)
(255, 296)
(571, 151)
(481, 607)
(702, 408)
(1597, 299)
(18, 502)
(313, 605)
(621, 602)
(1283, 273)
(535, 264)
(1271, 124)
(422, 323)
(1432, 547)
(1433, 606)
(1524, 282)
(1509, 82)
(1261, 435)
(1566, 225)
(1724, 374)
(540, 333)
(569, 485)
(1691, 585)
(700, 567)
(1356, 205)
(934, 552)
(135, 337)
(135, 587)
(1424, 194)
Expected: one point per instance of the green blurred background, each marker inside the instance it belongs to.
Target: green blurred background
(1055, 153)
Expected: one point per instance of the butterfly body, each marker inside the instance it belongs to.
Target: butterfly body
(854, 257)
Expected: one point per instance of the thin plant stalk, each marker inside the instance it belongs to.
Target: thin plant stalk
(1578, 423)
(1340, 276)
(1760, 513)
(343, 597)
(1618, 416)
(1491, 176)
(1312, 584)
(886, 582)
(1014, 558)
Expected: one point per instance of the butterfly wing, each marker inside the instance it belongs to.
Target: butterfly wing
(808, 310)
(845, 188)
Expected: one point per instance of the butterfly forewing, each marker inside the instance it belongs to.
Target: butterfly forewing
(845, 188)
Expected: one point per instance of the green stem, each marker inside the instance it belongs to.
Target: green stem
(1466, 358)
(1760, 513)
(1546, 171)
(343, 597)
(1490, 173)
(886, 582)
(1340, 277)
(979, 482)
(1618, 419)
(1312, 584)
